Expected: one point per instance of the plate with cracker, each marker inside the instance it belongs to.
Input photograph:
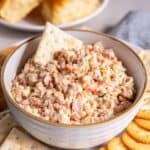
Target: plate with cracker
(31, 15)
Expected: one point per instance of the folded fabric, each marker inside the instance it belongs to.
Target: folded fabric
(134, 28)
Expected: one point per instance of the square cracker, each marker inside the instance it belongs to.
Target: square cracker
(145, 56)
(15, 10)
(18, 140)
(6, 124)
(53, 39)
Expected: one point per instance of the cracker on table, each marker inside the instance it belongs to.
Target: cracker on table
(143, 123)
(116, 144)
(132, 144)
(146, 104)
(145, 114)
(18, 140)
(145, 57)
(6, 124)
(138, 133)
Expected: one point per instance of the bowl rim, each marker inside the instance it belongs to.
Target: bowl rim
(31, 116)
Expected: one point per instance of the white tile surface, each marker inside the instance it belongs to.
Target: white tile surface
(115, 10)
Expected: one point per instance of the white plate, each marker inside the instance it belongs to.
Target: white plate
(25, 25)
(35, 24)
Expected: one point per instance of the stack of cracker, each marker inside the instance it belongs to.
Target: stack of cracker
(13, 137)
(55, 11)
(137, 134)
(15, 10)
(64, 11)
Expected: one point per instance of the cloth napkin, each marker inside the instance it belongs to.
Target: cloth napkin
(134, 28)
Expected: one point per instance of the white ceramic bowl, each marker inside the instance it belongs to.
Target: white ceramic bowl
(37, 26)
(74, 136)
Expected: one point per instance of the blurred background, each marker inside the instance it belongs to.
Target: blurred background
(110, 16)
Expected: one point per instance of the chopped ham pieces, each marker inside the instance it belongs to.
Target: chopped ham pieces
(76, 87)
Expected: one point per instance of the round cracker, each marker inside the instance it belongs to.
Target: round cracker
(138, 133)
(102, 148)
(132, 144)
(145, 114)
(143, 123)
(116, 144)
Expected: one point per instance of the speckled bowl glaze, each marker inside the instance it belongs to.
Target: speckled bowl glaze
(74, 136)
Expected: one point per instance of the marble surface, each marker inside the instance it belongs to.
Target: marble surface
(115, 10)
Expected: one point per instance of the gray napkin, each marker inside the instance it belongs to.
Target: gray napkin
(134, 28)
